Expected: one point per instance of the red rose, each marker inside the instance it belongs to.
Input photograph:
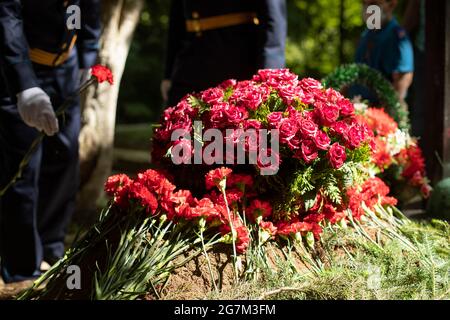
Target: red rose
(235, 115)
(337, 155)
(322, 140)
(340, 128)
(230, 83)
(294, 143)
(328, 114)
(346, 107)
(274, 118)
(355, 136)
(289, 93)
(308, 128)
(308, 151)
(308, 84)
(288, 128)
(213, 95)
(102, 74)
(252, 124)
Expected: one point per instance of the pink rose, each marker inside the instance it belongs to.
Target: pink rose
(337, 155)
(322, 140)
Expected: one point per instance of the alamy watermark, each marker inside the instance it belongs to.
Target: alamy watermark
(373, 20)
(73, 281)
(74, 17)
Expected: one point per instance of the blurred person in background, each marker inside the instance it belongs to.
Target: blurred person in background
(387, 50)
(414, 24)
(40, 62)
(212, 41)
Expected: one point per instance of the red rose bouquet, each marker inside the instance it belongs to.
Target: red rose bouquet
(321, 159)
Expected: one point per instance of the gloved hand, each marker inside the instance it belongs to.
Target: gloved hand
(36, 110)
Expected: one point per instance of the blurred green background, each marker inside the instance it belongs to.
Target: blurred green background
(322, 35)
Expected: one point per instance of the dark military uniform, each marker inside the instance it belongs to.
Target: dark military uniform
(211, 41)
(38, 50)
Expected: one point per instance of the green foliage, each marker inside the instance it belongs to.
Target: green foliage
(315, 44)
(358, 269)
(351, 74)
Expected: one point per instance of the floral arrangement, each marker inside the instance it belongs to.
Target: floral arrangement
(397, 157)
(324, 153)
(323, 177)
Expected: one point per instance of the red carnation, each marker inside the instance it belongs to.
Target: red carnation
(144, 197)
(116, 183)
(258, 209)
(215, 177)
(102, 74)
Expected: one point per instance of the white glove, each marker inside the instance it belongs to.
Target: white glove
(36, 110)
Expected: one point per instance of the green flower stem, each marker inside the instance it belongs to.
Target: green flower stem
(207, 259)
(233, 233)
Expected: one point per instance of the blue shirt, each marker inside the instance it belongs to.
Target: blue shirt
(387, 50)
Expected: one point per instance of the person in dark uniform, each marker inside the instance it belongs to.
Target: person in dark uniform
(40, 62)
(212, 41)
(388, 50)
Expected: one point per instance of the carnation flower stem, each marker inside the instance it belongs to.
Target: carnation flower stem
(208, 261)
(233, 233)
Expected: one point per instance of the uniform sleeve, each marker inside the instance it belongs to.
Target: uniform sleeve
(403, 59)
(89, 35)
(14, 59)
(177, 32)
(272, 16)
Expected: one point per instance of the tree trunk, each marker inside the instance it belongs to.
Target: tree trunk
(120, 18)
